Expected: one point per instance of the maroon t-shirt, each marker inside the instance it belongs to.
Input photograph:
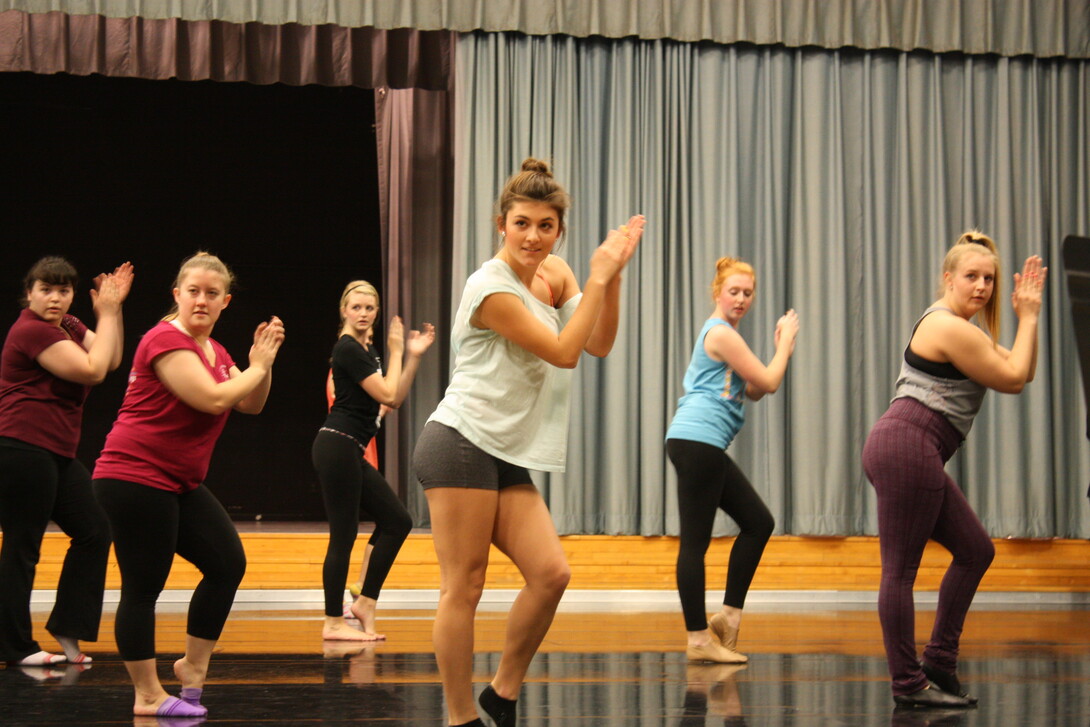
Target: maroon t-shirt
(37, 407)
(158, 440)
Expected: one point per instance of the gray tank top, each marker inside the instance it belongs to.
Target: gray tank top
(939, 386)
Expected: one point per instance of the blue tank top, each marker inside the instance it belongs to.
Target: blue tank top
(711, 409)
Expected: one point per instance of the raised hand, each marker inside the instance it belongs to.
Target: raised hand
(1028, 287)
(267, 340)
(419, 341)
(617, 249)
(110, 289)
(787, 329)
(395, 339)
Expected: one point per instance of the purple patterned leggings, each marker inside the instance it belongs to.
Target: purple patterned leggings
(917, 501)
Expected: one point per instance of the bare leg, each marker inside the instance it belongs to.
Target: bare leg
(462, 520)
(525, 533)
(192, 669)
(145, 681)
(356, 587)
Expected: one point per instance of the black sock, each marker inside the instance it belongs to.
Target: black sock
(502, 711)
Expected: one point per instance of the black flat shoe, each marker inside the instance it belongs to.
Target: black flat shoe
(931, 696)
(945, 681)
(502, 711)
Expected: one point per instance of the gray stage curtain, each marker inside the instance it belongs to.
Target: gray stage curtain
(843, 176)
(413, 132)
(198, 50)
(1042, 28)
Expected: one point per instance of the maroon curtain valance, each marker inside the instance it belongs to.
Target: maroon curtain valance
(195, 50)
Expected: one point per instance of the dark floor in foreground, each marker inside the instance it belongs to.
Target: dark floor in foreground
(826, 670)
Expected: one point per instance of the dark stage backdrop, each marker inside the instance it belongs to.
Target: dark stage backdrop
(279, 181)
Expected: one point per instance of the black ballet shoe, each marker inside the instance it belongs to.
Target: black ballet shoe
(502, 711)
(473, 723)
(946, 681)
(931, 696)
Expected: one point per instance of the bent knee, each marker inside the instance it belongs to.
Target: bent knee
(555, 578)
(401, 526)
(760, 525)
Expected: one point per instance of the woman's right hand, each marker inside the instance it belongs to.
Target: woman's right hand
(395, 339)
(267, 340)
(787, 330)
(1028, 288)
(617, 249)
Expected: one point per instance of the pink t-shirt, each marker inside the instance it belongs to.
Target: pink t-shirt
(158, 440)
(36, 407)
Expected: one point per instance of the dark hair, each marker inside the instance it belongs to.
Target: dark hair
(535, 183)
(52, 270)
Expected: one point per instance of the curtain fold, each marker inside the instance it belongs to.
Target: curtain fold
(843, 176)
(413, 135)
(195, 50)
(1042, 28)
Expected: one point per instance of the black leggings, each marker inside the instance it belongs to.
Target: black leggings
(707, 480)
(37, 486)
(347, 483)
(149, 526)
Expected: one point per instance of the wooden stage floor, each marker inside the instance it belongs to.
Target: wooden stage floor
(809, 666)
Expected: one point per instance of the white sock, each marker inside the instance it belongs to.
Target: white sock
(42, 658)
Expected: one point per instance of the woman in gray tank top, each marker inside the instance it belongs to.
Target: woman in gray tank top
(948, 365)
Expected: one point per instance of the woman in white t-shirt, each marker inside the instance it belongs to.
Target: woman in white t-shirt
(521, 327)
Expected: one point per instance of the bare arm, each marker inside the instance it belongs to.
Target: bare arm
(415, 347)
(184, 375)
(384, 389)
(723, 343)
(101, 350)
(972, 351)
(505, 314)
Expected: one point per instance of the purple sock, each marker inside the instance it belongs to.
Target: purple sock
(174, 707)
(192, 695)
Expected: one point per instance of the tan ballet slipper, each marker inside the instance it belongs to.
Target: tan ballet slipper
(724, 632)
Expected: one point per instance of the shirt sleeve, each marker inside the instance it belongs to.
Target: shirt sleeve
(486, 282)
(567, 310)
(354, 361)
(75, 327)
(165, 340)
(37, 335)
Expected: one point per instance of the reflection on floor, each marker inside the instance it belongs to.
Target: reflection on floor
(1029, 668)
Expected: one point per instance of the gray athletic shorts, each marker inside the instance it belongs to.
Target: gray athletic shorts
(444, 458)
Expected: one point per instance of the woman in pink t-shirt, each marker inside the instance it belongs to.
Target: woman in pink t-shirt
(49, 362)
(149, 479)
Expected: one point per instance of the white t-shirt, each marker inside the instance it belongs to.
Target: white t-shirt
(502, 398)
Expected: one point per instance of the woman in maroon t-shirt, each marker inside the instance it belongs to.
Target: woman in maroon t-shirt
(149, 479)
(49, 362)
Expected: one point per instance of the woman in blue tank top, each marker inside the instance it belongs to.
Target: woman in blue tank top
(722, 373)
(948, 365)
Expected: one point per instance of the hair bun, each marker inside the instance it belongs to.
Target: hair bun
(976, 237)
(530, 164)
(726, 262)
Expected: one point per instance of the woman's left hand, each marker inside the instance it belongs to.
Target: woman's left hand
(420, 341)
(110, 290)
